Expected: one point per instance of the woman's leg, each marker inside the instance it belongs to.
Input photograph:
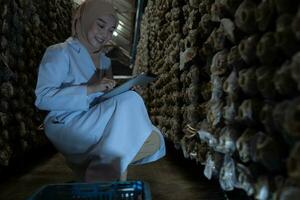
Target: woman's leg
(124, 134)
(151, 145)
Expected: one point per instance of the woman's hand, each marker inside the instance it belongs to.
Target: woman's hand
(101, 85)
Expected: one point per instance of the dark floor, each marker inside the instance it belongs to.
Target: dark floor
(170, 178)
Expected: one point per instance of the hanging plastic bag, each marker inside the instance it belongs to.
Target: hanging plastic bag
(227, 177)
(244, 179)
(213, 164)
(208, 137)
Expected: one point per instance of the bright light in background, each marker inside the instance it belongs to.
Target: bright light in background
(79, 1)
(119, 27)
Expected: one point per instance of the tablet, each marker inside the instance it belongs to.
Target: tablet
(141, 79)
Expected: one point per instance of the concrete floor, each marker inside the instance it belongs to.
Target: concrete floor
(170, 178)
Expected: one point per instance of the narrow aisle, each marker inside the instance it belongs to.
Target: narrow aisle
(170, 178)
(175, 178)
(54, 170)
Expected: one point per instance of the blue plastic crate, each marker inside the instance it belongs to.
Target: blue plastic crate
(129, 190)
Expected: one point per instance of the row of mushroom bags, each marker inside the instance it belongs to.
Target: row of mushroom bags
(28, 27)
(228, 87)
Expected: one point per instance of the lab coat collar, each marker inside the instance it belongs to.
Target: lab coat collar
(74, 43)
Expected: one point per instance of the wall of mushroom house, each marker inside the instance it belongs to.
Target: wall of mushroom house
(228, 88)
(27, 28)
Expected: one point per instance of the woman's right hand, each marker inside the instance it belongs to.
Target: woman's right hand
(101, 85)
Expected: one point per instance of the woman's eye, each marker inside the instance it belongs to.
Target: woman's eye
(100, 26)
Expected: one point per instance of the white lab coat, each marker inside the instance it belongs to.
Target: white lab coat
(101, 141)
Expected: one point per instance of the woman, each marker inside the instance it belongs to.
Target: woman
(98, 142)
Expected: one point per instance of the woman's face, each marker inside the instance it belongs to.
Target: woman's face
(101, 31)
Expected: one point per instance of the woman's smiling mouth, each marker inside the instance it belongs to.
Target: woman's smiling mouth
(100, 41)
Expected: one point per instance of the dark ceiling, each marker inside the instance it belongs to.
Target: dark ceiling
(126, 13)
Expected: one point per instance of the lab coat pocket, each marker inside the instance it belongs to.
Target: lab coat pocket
(65, 136)
(57, 120)
(55, 131)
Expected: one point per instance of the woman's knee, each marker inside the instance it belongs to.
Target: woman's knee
(131, 97)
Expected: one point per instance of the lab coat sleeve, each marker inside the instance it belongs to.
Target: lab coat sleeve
(50, 95)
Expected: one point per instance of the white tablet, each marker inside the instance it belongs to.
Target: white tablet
(142, 79)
